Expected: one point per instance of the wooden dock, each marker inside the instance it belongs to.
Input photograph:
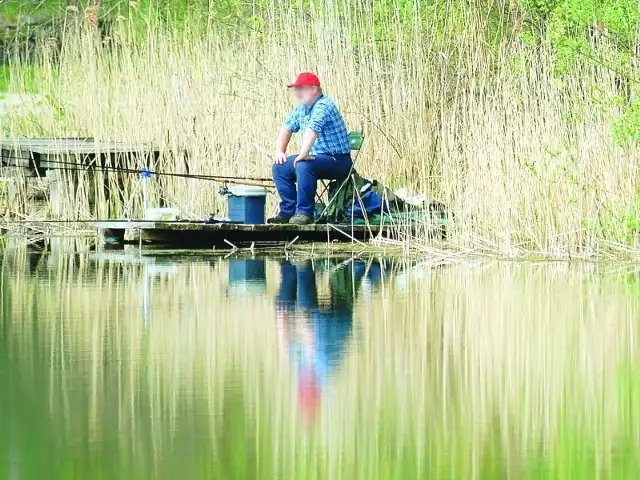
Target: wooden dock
(53, 166)
(204, 235)
(42, 154)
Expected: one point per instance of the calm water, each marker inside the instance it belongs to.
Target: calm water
(117, 366)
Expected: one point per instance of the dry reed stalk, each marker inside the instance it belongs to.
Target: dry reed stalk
(517, 152)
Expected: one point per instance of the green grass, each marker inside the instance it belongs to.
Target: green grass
(8, 79)
(13, 10)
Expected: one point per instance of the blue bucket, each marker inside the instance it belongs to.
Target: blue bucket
(246, 204)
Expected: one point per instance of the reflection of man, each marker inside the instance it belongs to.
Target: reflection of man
(316, 336)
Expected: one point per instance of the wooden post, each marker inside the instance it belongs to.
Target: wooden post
(55, 196)
(16, 190)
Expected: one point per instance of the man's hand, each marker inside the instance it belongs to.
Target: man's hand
(280, 158)
(299, 158)
(308, 140)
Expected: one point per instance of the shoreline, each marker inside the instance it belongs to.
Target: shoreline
(66, 242)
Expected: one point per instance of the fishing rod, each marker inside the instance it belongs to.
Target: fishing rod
(146, 173)
(7, 223)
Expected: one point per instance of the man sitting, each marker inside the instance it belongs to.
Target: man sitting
(324, 153)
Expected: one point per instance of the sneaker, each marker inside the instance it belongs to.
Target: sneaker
(300, 220)
(279, 220)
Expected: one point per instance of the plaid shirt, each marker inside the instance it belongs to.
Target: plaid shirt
(324, 119)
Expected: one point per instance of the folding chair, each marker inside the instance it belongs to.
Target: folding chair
(356, 139)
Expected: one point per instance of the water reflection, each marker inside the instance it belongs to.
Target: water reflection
(316, 333)
(247, 275)
(116, 365)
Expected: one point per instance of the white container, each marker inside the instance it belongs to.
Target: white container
(247, 191)
(162, 214)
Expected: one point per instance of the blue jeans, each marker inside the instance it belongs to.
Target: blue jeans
(297, 286)
(306, 174)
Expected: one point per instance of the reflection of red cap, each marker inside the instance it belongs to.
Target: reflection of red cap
(305, 79)
(309, 396)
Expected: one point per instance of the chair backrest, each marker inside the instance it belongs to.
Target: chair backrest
(356, 139)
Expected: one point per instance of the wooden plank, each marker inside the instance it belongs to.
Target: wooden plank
(61, 146)
(228, 227)
(124, 224)
(187, 234)
(96, 148)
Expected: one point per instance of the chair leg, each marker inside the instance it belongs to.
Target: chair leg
(325, 185)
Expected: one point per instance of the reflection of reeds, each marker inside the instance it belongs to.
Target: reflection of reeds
(485, 371)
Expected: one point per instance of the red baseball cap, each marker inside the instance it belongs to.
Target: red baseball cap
(305, 79)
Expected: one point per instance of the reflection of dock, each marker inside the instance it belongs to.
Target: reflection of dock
(197, 234)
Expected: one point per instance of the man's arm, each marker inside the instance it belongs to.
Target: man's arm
(308, 140)
(291, 125)
(284, 137)
(317, 122)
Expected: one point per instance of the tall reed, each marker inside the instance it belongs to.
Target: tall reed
(522, 155)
